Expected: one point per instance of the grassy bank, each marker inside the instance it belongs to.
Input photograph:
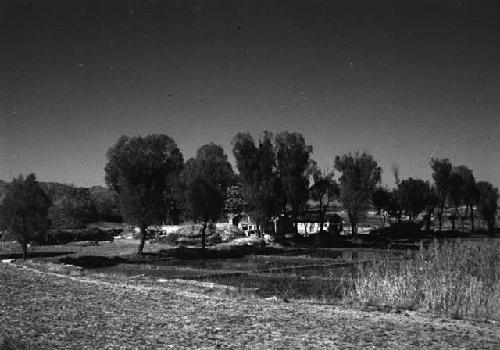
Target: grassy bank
(457, 278)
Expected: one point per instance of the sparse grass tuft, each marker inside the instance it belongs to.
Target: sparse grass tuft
(458, 279)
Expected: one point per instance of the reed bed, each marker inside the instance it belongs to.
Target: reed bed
(456, 278)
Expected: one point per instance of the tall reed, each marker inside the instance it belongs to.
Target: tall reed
(460, 279)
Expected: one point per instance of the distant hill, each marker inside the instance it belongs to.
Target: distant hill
(74, 206)
(58, 189)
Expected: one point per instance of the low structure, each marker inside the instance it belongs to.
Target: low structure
(244, 222)
(167, 229)
(309, 224)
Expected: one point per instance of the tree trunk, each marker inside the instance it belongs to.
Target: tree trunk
(143, 239)
(382, 224)
(175, 217)
(462, 217)
(472, 217)
(320, 233)
(491, 225)
(295, 212)
(285, 212)
(321, 223)
(353, 228)
(427, 220)
(24, 245)
(203, 230)
(440, 217)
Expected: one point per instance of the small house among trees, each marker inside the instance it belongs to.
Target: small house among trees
(244, 222)
(310, 224)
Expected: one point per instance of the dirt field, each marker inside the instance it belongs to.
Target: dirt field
(285, 272)
(50, 311)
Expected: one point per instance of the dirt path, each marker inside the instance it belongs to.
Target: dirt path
(50, 311)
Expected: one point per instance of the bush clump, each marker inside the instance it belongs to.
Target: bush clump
(459, 279)
(403, 230)
(150, 234)
(66, 236)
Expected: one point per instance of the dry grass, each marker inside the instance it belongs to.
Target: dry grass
(459, 279)
(456, 278)
(44, 311)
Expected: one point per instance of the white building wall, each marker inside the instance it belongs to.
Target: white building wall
(166, 229)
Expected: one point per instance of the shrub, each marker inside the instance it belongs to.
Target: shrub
(402, 229)
(58, 237)
(214, 238)
(459, 279)
(170, 239)
(149, 234)
(67, 236)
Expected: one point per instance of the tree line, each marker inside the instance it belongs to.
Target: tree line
(276, 176)
(454, 186)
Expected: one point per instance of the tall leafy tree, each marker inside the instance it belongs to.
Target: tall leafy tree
(468, 191)
(323, 190)
(456, 195)
(24, 209)
(381, 200)
(234, 203)
(360, 176)
(138, 171)
(488, 203)
(395, 204)
(431, 202)
(207, 177)
(292, 159)
(257, 168)
(412, 193)
(441, 173)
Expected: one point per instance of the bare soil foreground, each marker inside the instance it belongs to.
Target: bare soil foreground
(40, 310)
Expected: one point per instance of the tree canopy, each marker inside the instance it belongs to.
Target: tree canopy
(413, 195)
(292, 160)
(323, 190)
(441, 173)
(381, 200)
(488, 203)
(464, 190)
(139, 170)
(258, 173)
(207, 178)
(24, 209)
(360, 176)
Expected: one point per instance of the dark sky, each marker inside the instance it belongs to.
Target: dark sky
(403, 80)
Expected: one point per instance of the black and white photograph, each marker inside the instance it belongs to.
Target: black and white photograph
(249, 174)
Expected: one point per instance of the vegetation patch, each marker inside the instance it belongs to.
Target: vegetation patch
(78, 235)
(456, 278)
